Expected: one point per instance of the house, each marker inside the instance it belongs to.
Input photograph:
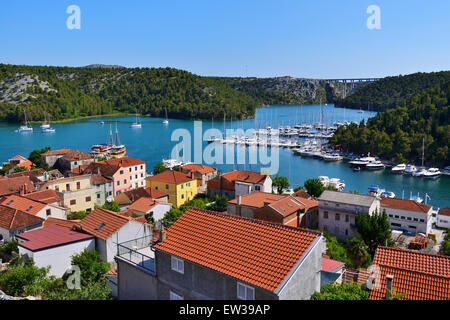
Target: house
(332, 270)
(19, 162)
(104, 189)
(36, 175)
(48, 196)
(50, 157)
(210, 255)
(202, 173)
(235, 183)
(145, 205)
(54, 246)
(443, 218)
(14, 222)
(408, 215)
(77, 193)
(180, 186)
(276, 208)
(16, 185)
(110, 229)
(135, 171)
(36, 208)
(126, 173)
(338, 211)
(65, 160)
(126, 198)
(417, 275)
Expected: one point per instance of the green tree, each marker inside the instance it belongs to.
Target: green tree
(78, 215)
(91, 265)
(171, 216)
(20, 169)
(399, 158)
(220, 204)
(111, 206)
(314, 187)
(281, 183)
(336, 249)
(35, 157)
(342, 291)
(10, 247)
(374, 230)
(159, 167)
(15, 280)
(357, 252)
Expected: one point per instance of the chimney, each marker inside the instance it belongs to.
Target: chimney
(192, 175)
(389, 285)
(239, 199)
(21, 188)
(25, 189)
(162, 233)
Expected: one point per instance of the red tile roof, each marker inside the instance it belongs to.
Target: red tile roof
(23, 204)
(421, 276)
(257, 199)
(55, 152)
(80, 169)
(112, 222)
(74, 155)
(246, 176)
(123, 162)
(359, 276)
(259, 253)
(61, 222)
(202, 169)
(12, 219)
(155, 193)
(444, 212)
(46, 196)
(52, 236)
(13, 185)
(330, 265)
(301, 194)
(170, 176)
(144, 204)
(407, 205)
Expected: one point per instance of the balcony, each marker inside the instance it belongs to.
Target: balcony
(138, 252)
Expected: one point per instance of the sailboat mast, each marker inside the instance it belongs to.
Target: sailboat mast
(423, 149)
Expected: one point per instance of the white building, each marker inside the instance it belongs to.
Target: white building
(14, 222)
(36, 208)
(443, 218)
(144, 205)
(111, 229)
(338, 211)
(54, 246)
(408, 215)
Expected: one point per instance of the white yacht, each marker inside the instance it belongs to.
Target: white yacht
(410, 169)
(399, 168)
(375, 165)
(387, 194)
(136, 124)
(419, 172)
(26, 127)
(432, 173)
(362, 162)
(166, 121)
(332, 157)
(45, 124)
(337, 183)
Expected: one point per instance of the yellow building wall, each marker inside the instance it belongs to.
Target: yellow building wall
(79, 195)
(178, 194)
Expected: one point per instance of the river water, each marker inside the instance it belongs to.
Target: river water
(152, 143)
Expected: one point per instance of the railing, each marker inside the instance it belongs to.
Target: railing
(128, 250)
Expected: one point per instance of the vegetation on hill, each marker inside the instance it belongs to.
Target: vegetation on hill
(66, 93)
(392, 91)
(398, 133)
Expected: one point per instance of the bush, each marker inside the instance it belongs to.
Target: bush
(343, 291)
(9, 247)
(77, 215)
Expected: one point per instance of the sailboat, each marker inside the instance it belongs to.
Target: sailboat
(166, 121)
(136, 124)
(118, 150)
(26, 127)
(45, 124)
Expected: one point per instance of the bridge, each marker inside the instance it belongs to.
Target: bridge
(350, 84)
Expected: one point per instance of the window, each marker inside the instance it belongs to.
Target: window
(177, 265)
(325, 215)
(257, 188)
(396, 217)
(337, 217)
(98, 195)
(346, 232)
(182, 186)
(347, 218)
(245, 292)
(142, 175)
(422, 220)
(75, 163)
(174, 296)
(188, 184)
(118, 183)
(396, 224)
(391, 216)
(67, 187)
(48, 212)
(408, 218)
(135, 168)
(402, 217)
(415, 219)
(88, 199)
(167, 186)
(182, 196)
(124, 181)
(142, 166)
(78, 185)
(73, 202)
(135, 176)
(337, 204)
(121, 171)
(129, 169)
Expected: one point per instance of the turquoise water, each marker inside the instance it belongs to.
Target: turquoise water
(153, 142)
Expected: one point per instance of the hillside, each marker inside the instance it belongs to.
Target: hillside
(391, 91)
(66, 92)
(285, 90)
(397, 133)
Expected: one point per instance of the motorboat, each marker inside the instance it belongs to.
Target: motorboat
(410, 169)
(419, 172)
(357, 169)
(374, 190)
(416, 198)
(332, 157)
(399, 168)
(387, 194)
(432, 173)
(48, 130)
(362, 162)
(375, 165)
(337, 183)
(446, 171)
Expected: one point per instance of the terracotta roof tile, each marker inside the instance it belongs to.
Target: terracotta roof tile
(56, 152)
(13, 185)
(202, 169)
(61, 222)
(250, 250)
(23, 204)
(46, 196)
(144, 204)
(74, 155)
(123, 162)
(170, 176)
(407, 205)
(422, 276)
(444, 212)
(330, 264)
(12, 219)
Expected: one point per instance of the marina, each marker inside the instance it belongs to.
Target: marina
(307, 159)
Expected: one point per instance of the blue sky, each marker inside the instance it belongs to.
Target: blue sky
(315, 39)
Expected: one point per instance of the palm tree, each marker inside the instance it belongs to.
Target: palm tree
(357, 251)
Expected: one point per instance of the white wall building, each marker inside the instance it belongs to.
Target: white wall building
(54, 246)
(338, 211)
(443, 218)
(144, 205)
(408, 215)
